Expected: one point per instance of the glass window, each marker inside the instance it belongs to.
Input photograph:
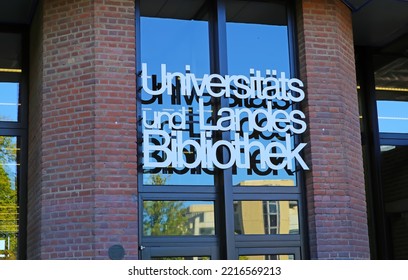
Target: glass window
(174, 57)
(161, 218)
(217, 127)
(258, 48)
(266, 217)
(392, 116)
(9, 210)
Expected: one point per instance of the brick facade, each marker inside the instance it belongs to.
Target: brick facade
(87, 132)
(335, 183)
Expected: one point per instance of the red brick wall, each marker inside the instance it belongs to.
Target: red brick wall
(335, 183)
(88, 135)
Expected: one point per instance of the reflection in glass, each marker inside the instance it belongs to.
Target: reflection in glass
(178, 218)
(8, 198)
(171, 48)
(259, 44)
(266, 257)
(9, 101)
(392, 116)
(266, 217)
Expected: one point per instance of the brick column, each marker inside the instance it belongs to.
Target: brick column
(88, 134)
(34, 175)
(115, 128)
(335, 183)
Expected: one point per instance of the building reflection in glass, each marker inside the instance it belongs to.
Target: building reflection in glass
(201, 219)
(161, 218)
(266, 217)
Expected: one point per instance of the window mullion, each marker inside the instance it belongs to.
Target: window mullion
(223, 178)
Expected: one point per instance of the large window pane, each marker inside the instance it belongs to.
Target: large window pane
(258, 49)
(8, 197)
(172, 49)
(192, 139)
(266, 217)
(176, 218)
(10, 71)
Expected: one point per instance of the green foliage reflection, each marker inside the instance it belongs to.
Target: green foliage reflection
(164, 217)
(8, 200)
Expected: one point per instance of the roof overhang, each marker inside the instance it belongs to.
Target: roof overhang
(376, 23)
(18, 12)
(381, 24)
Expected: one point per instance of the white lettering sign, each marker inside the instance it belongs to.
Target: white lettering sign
(165, 142)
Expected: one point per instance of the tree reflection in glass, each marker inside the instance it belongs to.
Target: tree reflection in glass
(178, 218)
(165, 218)
(8, 198)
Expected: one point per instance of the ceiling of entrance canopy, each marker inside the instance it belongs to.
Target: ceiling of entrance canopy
(376, 22)
(381, 24)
